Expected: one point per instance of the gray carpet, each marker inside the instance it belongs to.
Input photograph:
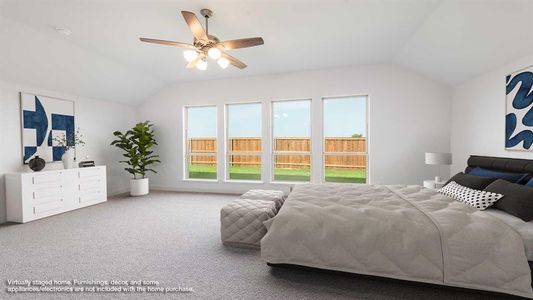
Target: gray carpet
(174, 238)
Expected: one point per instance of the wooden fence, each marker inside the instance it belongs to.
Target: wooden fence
(199, 147)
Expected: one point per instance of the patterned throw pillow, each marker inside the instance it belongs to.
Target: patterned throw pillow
(478, 199)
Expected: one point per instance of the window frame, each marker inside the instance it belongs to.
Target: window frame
(186, 150)
(274, 153)
(228, 152)
(367, 134)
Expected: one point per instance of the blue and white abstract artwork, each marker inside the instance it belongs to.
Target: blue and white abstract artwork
(519, 114)
(43, 119)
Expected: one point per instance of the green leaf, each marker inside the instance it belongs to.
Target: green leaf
(137, 144)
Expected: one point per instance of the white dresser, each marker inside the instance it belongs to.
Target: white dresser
(31, 196)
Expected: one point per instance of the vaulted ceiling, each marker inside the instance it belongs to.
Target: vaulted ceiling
(449, 41)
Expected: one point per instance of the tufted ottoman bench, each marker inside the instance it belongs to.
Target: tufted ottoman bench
(278, 197)
(241, 221)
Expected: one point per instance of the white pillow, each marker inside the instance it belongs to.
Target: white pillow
(476, 198)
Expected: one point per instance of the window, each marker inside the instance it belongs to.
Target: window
(345, 139)
(291, 144)
(244, 141)
(201, 137)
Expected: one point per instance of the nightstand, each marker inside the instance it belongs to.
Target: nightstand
(431, 184)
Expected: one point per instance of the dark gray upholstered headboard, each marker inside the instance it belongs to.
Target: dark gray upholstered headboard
(516, 165)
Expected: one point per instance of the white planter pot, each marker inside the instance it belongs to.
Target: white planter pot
(68, 159)
(139, 187)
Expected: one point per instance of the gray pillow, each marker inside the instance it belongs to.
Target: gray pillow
(517, 199)
(471, 181)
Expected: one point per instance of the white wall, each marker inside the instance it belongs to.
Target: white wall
(96, 120)
(409, 114)
(478, 116)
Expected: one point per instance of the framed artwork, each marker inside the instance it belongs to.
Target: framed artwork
(43, 119)
(519, 110)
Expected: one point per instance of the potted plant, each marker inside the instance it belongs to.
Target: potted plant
(136, 144)
(69, 143)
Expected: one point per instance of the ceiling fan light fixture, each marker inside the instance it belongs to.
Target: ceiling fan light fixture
(190, 55)
(223, 63)
(201, 64)
(214, 53)
(206, 46)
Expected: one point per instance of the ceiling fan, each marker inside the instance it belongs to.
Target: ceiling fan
(205, 45)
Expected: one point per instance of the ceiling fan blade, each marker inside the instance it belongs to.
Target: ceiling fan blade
(193, 62)
(232, 60)
(195, 25)
(242, 43)
(168, 43)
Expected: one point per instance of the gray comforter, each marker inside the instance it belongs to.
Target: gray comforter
(403, 232)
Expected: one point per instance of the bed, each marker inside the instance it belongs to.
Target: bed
(404, 232)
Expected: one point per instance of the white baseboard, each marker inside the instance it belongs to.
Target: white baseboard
(196, 190)
(236, 189)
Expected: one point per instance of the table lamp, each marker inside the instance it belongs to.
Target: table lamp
(439, 159)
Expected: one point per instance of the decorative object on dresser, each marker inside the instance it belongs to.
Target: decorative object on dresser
(137, 144)
(31, 196)
(519, 110)
(86, 164)
(43, 119)
(69, 144)
(438, 158)
(36, 164)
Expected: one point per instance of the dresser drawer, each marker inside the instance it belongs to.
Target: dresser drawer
(90, 173)
(52, 206)
(89, 186)
(47, 178)
(92, 196)
(90, 181)
(47, 192)
(47, 200)
(92, 190)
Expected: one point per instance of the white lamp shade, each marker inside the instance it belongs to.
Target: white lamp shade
(214, 53)
(201, 64)
(223, 63)
(438, 158)
(190, 55)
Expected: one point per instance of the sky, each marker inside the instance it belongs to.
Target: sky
(244, 120)
(343, 117)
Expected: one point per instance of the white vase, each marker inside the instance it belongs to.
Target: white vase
(68, 159)
(139, 187)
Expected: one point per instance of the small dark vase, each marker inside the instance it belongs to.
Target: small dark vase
(36, 164)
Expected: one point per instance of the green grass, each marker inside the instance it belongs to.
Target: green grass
(202, 172)
(254, 173)
(292, 174)
(245, 173)
(340, 175)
